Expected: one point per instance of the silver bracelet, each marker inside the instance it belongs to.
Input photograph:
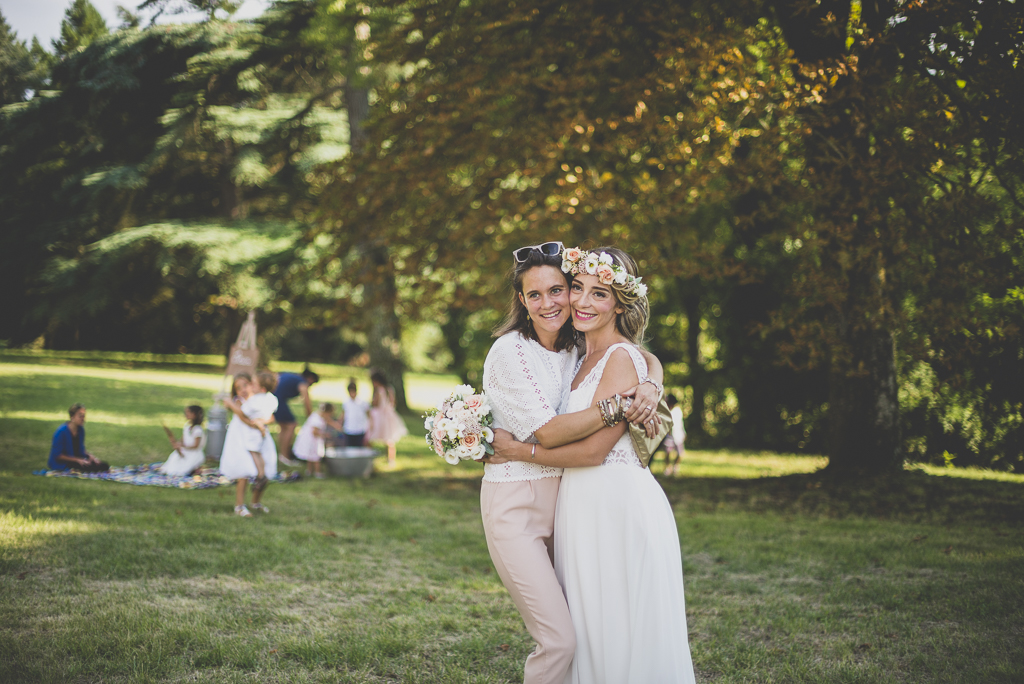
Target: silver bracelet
(660, 388)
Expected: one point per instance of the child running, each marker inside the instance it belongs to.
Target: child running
(249, 450)
(310, 444)
(188, 455)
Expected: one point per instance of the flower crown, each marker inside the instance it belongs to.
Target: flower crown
(581, 262)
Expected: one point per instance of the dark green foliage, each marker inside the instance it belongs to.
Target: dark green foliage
(826, 197)
(16, 65)
(82, 24)
(172, 122)
(209, 7)
(162, 288)
(72, 161)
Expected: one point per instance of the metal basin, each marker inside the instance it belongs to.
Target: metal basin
(350, 461)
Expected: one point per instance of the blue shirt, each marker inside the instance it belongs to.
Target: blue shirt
(66, 444)
(288, 386)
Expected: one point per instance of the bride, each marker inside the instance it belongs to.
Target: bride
(617, 553)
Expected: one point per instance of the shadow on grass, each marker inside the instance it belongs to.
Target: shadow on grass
(911, 496)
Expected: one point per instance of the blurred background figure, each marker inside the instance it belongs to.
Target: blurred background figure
(355, 417)
(289, 386)
(188, 454)
(385, 423)
(311, 441)
(674, 442)
(68, 449)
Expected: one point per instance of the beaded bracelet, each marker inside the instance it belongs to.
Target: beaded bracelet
(613, 409)
(607, 408)
(624, 404)
(660, 388)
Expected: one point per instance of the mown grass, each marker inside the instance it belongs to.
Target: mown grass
(790, 577)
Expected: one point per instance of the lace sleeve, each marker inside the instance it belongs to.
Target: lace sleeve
(518, 387)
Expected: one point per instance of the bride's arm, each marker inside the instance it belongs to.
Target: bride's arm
(572, 427)
(569, 427)
(636, 413)
(619, 374)
(586, 452)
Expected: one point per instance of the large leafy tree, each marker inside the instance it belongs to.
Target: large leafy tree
(154, 133)
(515, 129)
(848, 156)
(909, 219)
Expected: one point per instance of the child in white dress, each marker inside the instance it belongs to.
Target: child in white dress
(310, 444)
(260, 408)
(188, 454)
(249, 450)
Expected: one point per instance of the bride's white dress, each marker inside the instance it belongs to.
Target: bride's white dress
(617, 557)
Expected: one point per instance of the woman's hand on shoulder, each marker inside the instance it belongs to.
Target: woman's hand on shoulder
(655, 371)
(646, 396)
(643, 411)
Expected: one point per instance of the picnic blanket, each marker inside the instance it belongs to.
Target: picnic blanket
(150, 475)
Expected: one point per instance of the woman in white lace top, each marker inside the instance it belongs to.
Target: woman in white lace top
(617, 555)
(526, 377)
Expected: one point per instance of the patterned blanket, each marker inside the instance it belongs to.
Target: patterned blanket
(149, 474)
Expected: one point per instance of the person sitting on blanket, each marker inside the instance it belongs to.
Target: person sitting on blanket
(68, 450)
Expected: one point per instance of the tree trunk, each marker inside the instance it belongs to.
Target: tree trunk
(863, 413)
(453, 329)
(229, 193)
(695, 432)
(383, 329)
(384, 332)
(864, 410)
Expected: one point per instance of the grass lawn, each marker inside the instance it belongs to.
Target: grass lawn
(789, 577)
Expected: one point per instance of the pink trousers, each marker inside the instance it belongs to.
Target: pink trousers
(519, 520)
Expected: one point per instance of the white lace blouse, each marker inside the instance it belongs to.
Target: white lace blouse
(525, 385)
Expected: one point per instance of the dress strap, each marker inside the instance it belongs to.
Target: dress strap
(639, 363)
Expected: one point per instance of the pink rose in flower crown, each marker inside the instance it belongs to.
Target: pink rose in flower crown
(605, 274)
(572, 254)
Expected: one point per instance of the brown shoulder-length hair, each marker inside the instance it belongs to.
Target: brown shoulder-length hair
(518, 318)
(632, 322)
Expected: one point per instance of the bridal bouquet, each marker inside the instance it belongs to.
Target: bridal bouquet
(459, 428)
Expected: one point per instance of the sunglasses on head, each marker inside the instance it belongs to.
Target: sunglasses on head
(547, 249)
